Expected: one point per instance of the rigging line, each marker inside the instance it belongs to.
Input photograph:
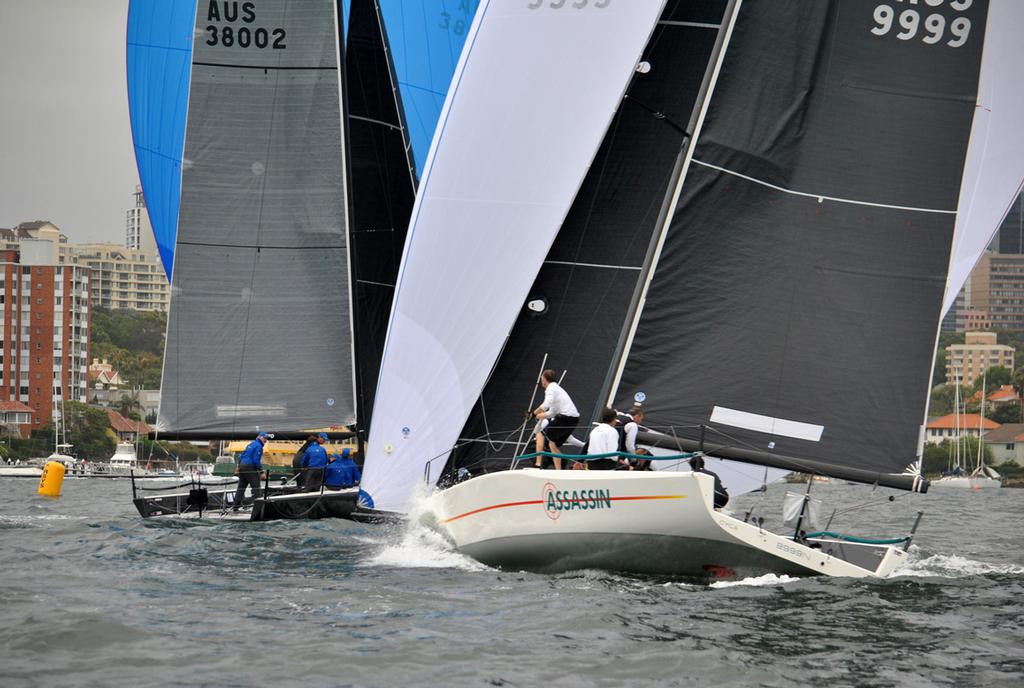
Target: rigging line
(259, 232)
(591, 265)
(658, 114)
(378, 284)
(819, 197)
(371, 120)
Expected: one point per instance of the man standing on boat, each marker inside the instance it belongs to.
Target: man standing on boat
(250, 466)
(561, 414)
(314, 461)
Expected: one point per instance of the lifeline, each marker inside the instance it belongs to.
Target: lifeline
(559, 500)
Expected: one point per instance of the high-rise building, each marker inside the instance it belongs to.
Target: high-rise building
(138, 230)
(1011, 232)
(966, 362)
(44, 332)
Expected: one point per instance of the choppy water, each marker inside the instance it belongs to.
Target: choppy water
(91, 595)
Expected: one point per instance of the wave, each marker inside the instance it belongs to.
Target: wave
(952, 566)
(756, 582)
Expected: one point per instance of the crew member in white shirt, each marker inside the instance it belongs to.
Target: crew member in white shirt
(561, 414)
(604, 439)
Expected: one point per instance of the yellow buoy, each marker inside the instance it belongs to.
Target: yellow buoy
(52, 479)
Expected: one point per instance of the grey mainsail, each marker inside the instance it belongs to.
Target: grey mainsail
(809, 249)
(259, 331)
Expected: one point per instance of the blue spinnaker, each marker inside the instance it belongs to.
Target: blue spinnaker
(159, 57)
(426, 40)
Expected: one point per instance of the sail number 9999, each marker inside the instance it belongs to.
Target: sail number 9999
(559, 4)
(932, 29)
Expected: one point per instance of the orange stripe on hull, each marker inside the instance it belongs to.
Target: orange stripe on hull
(569, 501)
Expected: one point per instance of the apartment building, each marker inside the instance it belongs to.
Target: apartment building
(966, 362)
(124, 278)
(44, 331)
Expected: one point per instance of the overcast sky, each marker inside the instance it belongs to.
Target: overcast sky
(65, 142)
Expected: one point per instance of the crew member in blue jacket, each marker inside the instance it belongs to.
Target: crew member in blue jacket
(249, 468)
(341, 471)
(314, 461)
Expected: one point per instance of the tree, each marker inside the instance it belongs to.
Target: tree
(941, 457)
(1007, 413)
(129, 405)
(87, 429)
(994, 378)
(942, 400)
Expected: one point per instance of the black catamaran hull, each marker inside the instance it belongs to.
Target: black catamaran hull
(218, 504)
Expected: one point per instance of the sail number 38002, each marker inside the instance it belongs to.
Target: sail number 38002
(245, 36)
(932, 29)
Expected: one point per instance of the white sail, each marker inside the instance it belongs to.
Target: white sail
(532, 96)
(995, 158)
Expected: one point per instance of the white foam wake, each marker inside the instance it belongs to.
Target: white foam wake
(757, 581)
(953, 566)
(416, 545)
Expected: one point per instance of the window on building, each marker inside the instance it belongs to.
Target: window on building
(23, 390)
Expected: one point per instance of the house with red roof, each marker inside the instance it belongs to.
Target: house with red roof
(16, 417)
(127, 430)
(1007, 443)
(949, 427)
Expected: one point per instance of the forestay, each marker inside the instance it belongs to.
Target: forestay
(259, 327)
(532, 97)
(159, 61)
(808, 253)
(995, 158)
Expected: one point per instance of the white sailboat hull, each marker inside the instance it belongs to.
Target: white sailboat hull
(652, 523)
(966, 482)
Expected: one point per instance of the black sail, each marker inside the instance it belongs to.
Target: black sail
(594, 266)
(383, 188)
(802, 274)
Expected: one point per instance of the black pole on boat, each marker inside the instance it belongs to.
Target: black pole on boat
(803, 508)
(917, 522)
(131, 472)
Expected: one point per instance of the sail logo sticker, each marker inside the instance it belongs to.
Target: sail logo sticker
(556, 501)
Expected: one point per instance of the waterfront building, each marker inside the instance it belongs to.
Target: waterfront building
(44, 330)
(966, 362)
(948, 427)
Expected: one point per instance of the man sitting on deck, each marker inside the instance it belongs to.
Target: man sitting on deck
(604, 439)
(721, 495)
(341, 471)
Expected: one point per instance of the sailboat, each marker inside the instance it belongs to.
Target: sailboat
(980, 476)
(784, 315)
(279, 177)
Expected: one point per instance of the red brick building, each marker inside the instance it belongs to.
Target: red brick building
(44, 331)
